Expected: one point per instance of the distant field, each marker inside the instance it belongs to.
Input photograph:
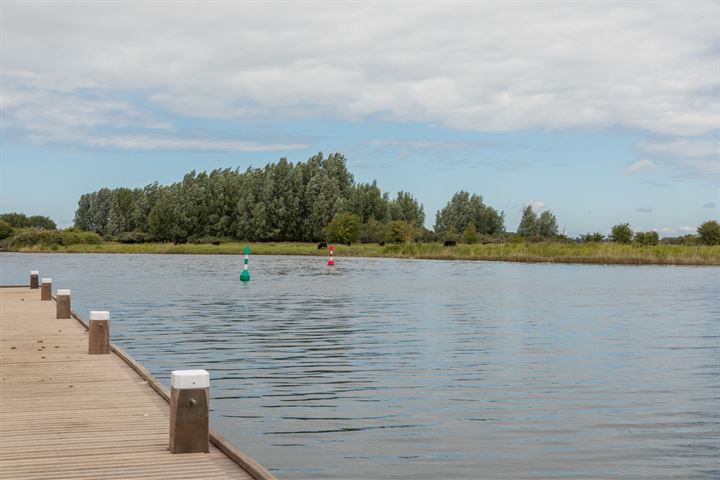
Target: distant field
(600, 253)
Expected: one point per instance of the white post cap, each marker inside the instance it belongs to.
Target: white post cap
(188, 379)
(63, 291)
(34, 272)
(99, 315)
(46, 280)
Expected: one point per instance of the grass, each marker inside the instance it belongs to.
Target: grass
(599, 253)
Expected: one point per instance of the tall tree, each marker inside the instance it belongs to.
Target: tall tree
(464, 209)
(405, 207)
(368, 202)
(529, 226)
(547, 224)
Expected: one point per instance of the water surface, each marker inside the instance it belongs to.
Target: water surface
(412, 369)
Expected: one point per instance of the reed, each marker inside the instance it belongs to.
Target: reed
(598, 253)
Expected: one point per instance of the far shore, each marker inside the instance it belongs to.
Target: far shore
(545, 252)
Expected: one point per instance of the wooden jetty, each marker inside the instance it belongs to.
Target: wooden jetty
(65, 414)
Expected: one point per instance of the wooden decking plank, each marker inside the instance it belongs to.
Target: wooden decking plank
(67, 414)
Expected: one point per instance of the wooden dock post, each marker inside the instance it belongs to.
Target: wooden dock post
(34, 282)
(189, 407)
(46, 289)
(99, 332)
(62, 301)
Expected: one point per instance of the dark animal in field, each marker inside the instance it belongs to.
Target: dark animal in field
(450, 243)
(215, 242)
(322, 245)
(180, 241)
(381, 243)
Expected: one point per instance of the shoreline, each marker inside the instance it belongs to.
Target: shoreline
(551, 252)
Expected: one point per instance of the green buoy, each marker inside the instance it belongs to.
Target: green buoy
(245, 275)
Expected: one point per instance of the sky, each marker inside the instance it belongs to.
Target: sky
(601, 112)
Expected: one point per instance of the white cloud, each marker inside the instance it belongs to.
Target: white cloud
(644, 210)
(698, 157)
(48, 117)
(640, 166)
(480, 66)
(145, 142)
(709, 205)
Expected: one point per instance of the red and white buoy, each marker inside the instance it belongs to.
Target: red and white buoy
(331, 262)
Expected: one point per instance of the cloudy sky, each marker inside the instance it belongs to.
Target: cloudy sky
(602, 112)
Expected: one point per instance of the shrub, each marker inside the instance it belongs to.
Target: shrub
(709, 233)
(647, 238)
(344, 228)
(621, 233)
(133, 237)
(470, 235)
(5, 230)
(373, 231)
(428, 236)
(689, 239)
(399, 231)
(33, 238)
(20, 220)
(592, 237)
(207, 239)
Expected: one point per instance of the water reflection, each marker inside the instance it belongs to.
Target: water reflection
(417, 369)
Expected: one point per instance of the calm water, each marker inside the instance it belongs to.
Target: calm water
(427, 369)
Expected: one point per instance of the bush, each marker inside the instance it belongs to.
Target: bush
(470, 235)
(373, 231)
(690, 239)
(33, 238)
(621, 233)
(592, 237)
(428, 236)
(5, 230)
(399, 231)
(647, 238)
(207, 239)
(133, 237)
(344, 228)
(20, 220)
(709, 233)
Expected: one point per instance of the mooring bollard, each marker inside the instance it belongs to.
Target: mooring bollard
(46, 289)
(62, 301)
(34, 283)
(189, 407)
(99, 338)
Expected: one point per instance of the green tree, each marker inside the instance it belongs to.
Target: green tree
(368, 202)
(405, 207)
(5, 230)
(161, 221)
(647, 238)
(592, 237)
(547, 224)
(464, 209)
(373, 231)
(344, 228)
(709, 233)
(15, 220)
(621, 233)
(42, 223)
(529, 226)
(399, 231)
(20, 220)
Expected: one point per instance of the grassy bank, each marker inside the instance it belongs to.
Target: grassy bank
(599, 253)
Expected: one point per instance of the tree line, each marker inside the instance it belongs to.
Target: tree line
(279, 202)
(306, 201)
